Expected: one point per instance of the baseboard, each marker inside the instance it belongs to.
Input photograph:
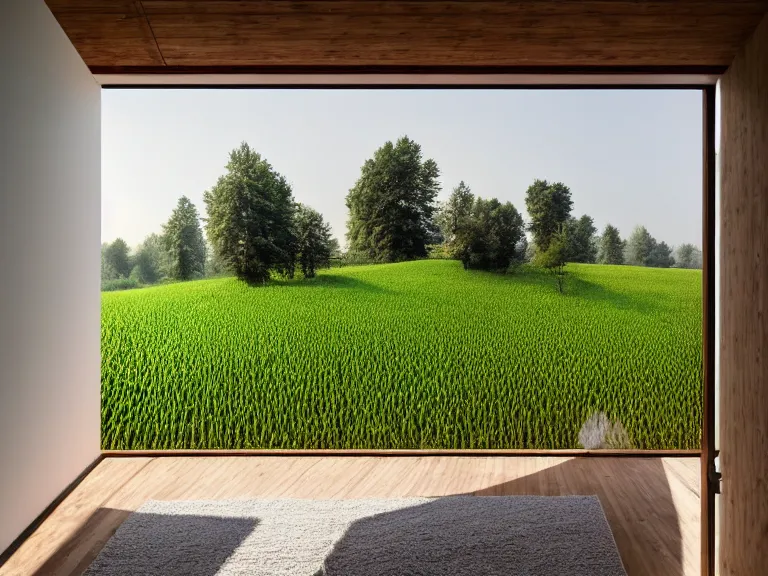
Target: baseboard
(29, 530)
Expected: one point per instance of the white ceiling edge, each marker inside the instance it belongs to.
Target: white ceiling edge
(341, 80)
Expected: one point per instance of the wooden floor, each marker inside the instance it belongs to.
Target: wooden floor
(652, 504)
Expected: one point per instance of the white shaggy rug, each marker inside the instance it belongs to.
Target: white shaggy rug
(452, 536)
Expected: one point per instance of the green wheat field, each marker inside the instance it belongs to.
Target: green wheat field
(412, 355)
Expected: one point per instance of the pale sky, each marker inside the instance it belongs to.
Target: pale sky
(629, 157)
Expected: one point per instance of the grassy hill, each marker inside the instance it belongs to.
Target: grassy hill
(412, 355)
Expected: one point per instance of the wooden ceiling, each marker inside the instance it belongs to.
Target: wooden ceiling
(161, 35)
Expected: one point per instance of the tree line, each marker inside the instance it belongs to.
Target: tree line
(394, 215)
(254, 228)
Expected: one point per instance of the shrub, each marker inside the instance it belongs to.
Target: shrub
(119, 284)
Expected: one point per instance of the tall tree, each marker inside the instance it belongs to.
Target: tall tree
(611, 246)
(117, 257)
(454, 212)
(250, 217)
(549, 206)
(454, 219)
(687, 256)
(392, 204)
(184, 241)
(313, 240)
(639, 246)
(581, 246)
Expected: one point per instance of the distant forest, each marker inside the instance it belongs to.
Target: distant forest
(254, 229)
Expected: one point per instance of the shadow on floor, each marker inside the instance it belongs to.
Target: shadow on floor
(637, 503)
(489, 536)
(200, 545)
(634, 493)
(636, 499)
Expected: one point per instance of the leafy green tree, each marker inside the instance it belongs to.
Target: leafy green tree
(250, 218)
(639, 246)
(660, 256)
(555, 257)
(116, 256)
(455, 212)
(549, 206)
(392, 204)
(151, 262)
(490, 238)
(454, 218)
(611, 246)
(688, 256)
(581, 246)
(184, 242)
(313, 240)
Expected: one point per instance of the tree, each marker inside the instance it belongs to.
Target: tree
(611, 246)
(116, 256)
(151, 262)
(687, 256)
(642, 249)
(490, 237)
(581, 246)
(455, 212)
(660, 256)
(184, 241)
(108, 271)
(250, 217)
(454, 220)
(639, 247)
(555, 257)
(549, 206)
(313, 240)
(392, 204)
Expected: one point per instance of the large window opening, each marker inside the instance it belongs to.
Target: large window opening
(402, 269)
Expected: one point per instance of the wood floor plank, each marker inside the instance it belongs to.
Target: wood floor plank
(70, 517)
(651, 504)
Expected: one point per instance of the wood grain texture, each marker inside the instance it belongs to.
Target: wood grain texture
(409, 32)
(108, 32)
(651, 504)
(744, 316)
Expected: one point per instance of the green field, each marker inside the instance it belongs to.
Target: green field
(413, 355)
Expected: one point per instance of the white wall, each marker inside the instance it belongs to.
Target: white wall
(50, 197)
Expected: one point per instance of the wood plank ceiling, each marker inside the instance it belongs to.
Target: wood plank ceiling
(158, 35)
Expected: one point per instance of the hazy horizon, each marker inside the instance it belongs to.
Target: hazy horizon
(629, 157)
